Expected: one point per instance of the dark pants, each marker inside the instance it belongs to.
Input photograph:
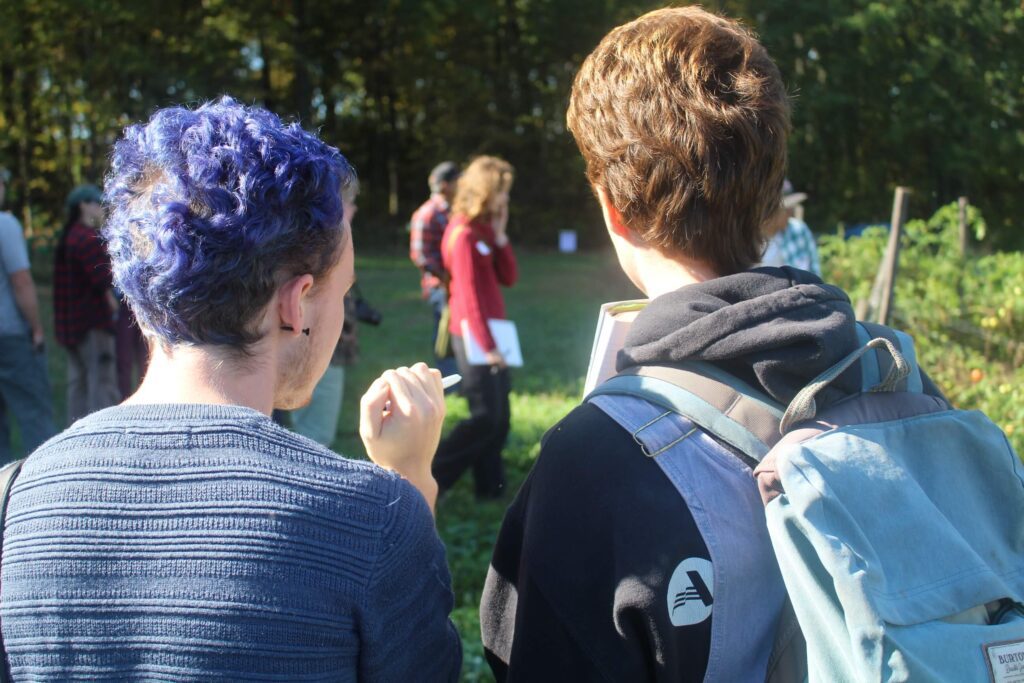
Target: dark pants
(477, 441)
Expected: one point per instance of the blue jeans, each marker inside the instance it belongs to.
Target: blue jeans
(438, 300)
(318, 419)
(25, 392)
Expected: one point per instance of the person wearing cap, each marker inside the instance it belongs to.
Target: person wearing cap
(24, 384)
(426, 230)
(790, 241)
(84, 306)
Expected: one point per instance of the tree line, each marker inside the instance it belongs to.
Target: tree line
(924, 93)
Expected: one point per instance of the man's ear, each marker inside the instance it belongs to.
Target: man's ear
(291, 297)
(612, 217)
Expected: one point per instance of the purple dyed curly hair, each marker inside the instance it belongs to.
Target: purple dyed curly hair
(210, 209)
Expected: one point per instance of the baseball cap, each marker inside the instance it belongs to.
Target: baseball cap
(82, 194)
(791, 198)
(444, 172)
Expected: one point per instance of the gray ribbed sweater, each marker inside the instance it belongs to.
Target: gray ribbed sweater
(192, 542)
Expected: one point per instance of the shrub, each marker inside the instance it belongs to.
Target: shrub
(966, 313)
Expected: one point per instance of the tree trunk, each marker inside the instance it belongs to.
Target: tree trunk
(268, 94)
(29, 80)
(7, 86)
(301, 92)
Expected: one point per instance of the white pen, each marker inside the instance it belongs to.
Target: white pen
(446, 383)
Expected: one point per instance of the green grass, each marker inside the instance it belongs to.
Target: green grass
(555, 307)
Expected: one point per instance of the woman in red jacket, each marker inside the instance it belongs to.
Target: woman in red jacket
(478, 258)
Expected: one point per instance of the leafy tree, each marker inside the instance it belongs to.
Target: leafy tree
(926, 93)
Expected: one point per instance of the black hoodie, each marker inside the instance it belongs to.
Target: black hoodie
(572, 593)
(775, 328)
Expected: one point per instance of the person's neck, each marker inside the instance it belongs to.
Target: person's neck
(660, 274)
(189, 374)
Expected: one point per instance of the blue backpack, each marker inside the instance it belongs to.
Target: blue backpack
(897, 521)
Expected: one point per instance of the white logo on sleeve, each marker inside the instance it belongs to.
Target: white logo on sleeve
(691, 592)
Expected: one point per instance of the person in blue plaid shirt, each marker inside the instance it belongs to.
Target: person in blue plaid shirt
(790, 241)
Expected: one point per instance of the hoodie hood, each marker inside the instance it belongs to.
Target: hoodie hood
(774, 328)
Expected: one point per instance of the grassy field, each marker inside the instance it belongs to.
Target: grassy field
(554, 304)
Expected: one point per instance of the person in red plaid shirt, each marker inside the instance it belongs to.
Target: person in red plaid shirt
(84, 306)
(426, 230)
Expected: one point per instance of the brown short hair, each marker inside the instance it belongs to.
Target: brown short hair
(484, 178)
(682, 119)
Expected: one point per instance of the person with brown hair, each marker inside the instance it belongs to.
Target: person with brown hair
(479, 259)
(636, 550)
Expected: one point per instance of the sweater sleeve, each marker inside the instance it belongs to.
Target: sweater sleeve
(405, 630)
(505, 265)
(466, 269)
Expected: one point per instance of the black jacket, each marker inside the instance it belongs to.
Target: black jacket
(575, 587)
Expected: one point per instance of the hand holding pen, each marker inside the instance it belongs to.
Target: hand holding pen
(400, 423)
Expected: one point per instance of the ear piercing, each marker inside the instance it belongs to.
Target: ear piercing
(289, 328)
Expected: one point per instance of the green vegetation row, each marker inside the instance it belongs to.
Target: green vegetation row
(966, 313)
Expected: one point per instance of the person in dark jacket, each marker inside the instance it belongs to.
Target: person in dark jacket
(84, 306)
(604, 569)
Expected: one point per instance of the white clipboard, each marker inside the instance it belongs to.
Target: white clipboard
(505, 336)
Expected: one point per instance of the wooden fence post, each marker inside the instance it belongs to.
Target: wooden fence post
(879, 306)
(890, 265)
(964, 241)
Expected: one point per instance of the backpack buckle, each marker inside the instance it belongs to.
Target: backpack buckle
(642, 442)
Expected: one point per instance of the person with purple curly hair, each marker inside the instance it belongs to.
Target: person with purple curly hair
(183, 535)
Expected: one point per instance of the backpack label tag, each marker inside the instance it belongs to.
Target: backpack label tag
(1005, 661)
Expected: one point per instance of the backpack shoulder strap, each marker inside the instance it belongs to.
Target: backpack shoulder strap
(736, 413)
(713, 400)
(7, 476)
(875, 366)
